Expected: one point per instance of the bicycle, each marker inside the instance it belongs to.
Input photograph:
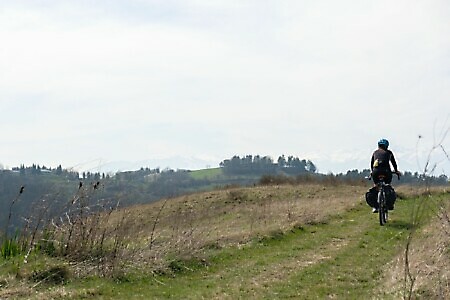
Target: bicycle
(383, 210)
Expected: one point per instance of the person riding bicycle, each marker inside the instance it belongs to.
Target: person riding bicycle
(379, 164)
(380, 167)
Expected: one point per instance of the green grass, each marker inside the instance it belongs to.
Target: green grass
(10, 247)
(217, 177)
(210, 174)
(342, 257)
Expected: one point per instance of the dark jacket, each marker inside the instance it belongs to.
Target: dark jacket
(381, 158)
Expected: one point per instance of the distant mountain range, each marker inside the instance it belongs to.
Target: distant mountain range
(176, 162)
(338, 162)
(324, 164)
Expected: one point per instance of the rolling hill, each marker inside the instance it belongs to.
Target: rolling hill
(277, 241)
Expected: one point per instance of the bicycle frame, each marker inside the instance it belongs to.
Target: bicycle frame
(381, 199)
(383, 211)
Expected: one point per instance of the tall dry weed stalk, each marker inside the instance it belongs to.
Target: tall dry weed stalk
(420, 210)
(81, 230)
(6, 229)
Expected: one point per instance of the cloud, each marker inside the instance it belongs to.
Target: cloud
(221, 77)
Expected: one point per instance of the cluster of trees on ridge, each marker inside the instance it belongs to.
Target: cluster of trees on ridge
(257, 165)
(59, 171)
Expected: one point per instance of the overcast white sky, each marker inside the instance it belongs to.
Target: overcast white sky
(193, 82)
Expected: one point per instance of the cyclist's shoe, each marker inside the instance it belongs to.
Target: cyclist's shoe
(391, 207)
(375, 210)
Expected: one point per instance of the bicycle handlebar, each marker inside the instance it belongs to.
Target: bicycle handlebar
(396, 173)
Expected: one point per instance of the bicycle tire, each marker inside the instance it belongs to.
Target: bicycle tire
(382, 211)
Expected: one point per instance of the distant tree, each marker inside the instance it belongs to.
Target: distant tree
(290, 161)
(310, 167)
(299, 165)
(59, 170)
(281, 161)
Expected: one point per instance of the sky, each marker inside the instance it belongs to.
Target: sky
(108, 85)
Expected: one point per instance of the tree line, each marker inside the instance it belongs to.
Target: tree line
(407, 177)
(55, 186)
(36, 169)
(265, 165)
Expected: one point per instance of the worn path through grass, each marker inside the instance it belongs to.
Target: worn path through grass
(343, 257)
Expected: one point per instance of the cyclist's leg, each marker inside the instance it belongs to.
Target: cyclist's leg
(375, 177)
(376, 172)
(388, 178)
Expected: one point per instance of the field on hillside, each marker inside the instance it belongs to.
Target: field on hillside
(211, 173)
(308, 240)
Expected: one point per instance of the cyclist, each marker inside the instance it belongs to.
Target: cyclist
(379, 165)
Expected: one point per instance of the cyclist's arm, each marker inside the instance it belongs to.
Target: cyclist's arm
(371, 162)
(394, 163)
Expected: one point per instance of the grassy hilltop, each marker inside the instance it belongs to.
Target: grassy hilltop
(309, 240)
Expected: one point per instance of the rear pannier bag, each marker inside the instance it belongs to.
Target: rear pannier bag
(390, 195)
(372, 196)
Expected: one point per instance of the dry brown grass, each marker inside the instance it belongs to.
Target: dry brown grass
(410, 191)
(429, 260)
(150, 236)
(188, 225)
(23, 291)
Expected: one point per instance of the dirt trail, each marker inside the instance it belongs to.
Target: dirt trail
(322, 260)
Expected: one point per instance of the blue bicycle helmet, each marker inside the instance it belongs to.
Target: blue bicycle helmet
(383, 143)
